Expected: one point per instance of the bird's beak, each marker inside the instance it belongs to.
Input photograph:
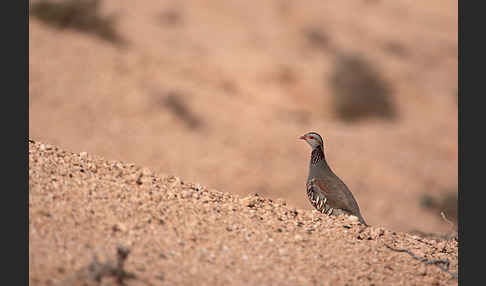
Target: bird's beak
(302, 137)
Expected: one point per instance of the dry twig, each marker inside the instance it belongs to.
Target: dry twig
(443, 264)
(96, 271)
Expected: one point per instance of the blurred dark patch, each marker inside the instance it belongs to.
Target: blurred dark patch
(396, 49)
(82, 15)
(317, 38)
(175, 102)
(171, 18)
(447, 203)
(229, 87)
(286, 75)
(359, 90)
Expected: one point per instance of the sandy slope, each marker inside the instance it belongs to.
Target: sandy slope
(253, 81)
(180, 233)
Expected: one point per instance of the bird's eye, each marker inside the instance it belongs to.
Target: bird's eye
(311, 137)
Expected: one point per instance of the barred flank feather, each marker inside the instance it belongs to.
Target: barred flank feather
(317, 199)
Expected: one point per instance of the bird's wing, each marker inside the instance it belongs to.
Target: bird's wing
(336, 195)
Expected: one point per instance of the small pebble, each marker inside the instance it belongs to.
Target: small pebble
(186, 194)
(119, 227)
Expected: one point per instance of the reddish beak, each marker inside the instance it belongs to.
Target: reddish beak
(302, 137)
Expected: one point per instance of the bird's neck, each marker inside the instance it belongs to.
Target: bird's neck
(317, 156)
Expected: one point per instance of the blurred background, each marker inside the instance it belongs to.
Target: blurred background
(218, 92)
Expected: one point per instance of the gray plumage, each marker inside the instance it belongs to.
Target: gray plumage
(325, 190)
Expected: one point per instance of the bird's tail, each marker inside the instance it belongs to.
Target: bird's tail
(361, 219)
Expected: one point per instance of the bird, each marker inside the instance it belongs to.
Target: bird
(325, 190)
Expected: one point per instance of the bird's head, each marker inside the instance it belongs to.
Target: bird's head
(313, 139)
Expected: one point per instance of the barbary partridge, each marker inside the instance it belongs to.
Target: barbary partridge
(325, 190)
